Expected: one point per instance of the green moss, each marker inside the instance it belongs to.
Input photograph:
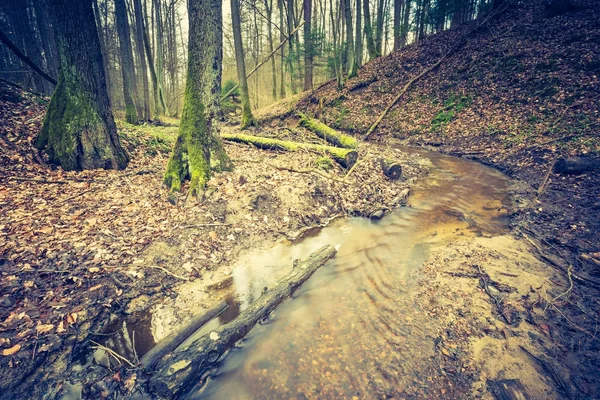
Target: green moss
(131, 114)
(74, 135)
(324, 163)
(453, 105)
(247, 118)
(196, 147)
(329, 134)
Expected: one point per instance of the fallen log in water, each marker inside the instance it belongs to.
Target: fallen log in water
(171, 342)
(327, 133)
(345, 157)
(575, 166)
(391, 169)
(184, 367)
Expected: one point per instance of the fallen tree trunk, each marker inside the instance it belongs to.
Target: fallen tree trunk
(576, 166)
(171, 342)
(345, 157)
(391, 169)
(327, 133)
(185, 367)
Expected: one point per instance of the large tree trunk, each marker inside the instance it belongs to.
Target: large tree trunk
(247, 118)
(198, 148)
(127, 67)
(186, 366)
(139, 43)
(350, 56)
(308, 46)
(79, 131)
(369, 31)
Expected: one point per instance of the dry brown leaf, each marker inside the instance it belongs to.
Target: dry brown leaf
(13, 350)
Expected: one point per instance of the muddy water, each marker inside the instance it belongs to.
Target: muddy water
(354, 329)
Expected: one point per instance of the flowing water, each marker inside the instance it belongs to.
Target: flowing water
(354, 329)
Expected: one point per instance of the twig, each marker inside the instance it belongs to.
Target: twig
(310, 170)
(166, 271)
(542, 187)
(112, 353)
(203, 225)
(551, 302)
(47, 181)
(59, 203)
(353, 168)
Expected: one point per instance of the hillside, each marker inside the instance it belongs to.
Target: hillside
(522, 91)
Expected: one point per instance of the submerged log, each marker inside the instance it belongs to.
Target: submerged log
(185, 367)
(575, 166)
(508, 389)
(327, 133)
(171, 342)
(345, 157)
(391, 169)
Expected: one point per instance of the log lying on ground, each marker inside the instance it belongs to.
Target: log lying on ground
(345, 157)
(185, 367)
(391, 169)
(329, 134)
(575, 166)
(171, 342)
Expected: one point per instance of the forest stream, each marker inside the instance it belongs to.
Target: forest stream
(355, 329)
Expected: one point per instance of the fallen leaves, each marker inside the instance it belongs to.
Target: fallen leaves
(11, 351)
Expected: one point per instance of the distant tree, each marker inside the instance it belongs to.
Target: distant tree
(132, 114)
(198, 149)
(350, 55)
(247, 118)
(308, 46)
(371, 48)
(139, 43)
(79, 131)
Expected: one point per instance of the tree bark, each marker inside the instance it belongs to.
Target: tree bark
(171, 342)
(161, 104)
(184, 367)
(198, 148)
(359, 35)
(79, 131)
(405, 23)
(379, 27)
(369, 31)
(397, 23)
(269, 9)
(345, 157)
(132, 114)
(576, 166)
(291, 42)
(247, 117)
(391, 169)
(102, 44)
(282, 62)
(46, 35)
(350, 55)
(139, 42)
(308, 46)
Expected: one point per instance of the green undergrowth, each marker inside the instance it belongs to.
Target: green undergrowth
(452, 106)
(150, 139)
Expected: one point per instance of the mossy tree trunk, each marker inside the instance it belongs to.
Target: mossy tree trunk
(79, 131)
(198, 148)
(247, 117)
(132, 114)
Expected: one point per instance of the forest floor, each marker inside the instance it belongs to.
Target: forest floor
(79, 251)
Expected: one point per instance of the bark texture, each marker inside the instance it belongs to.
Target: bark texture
(247, 118)
(186, 366)
(127, 67)
(327, 133)
(79, 130)
(198, 148)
